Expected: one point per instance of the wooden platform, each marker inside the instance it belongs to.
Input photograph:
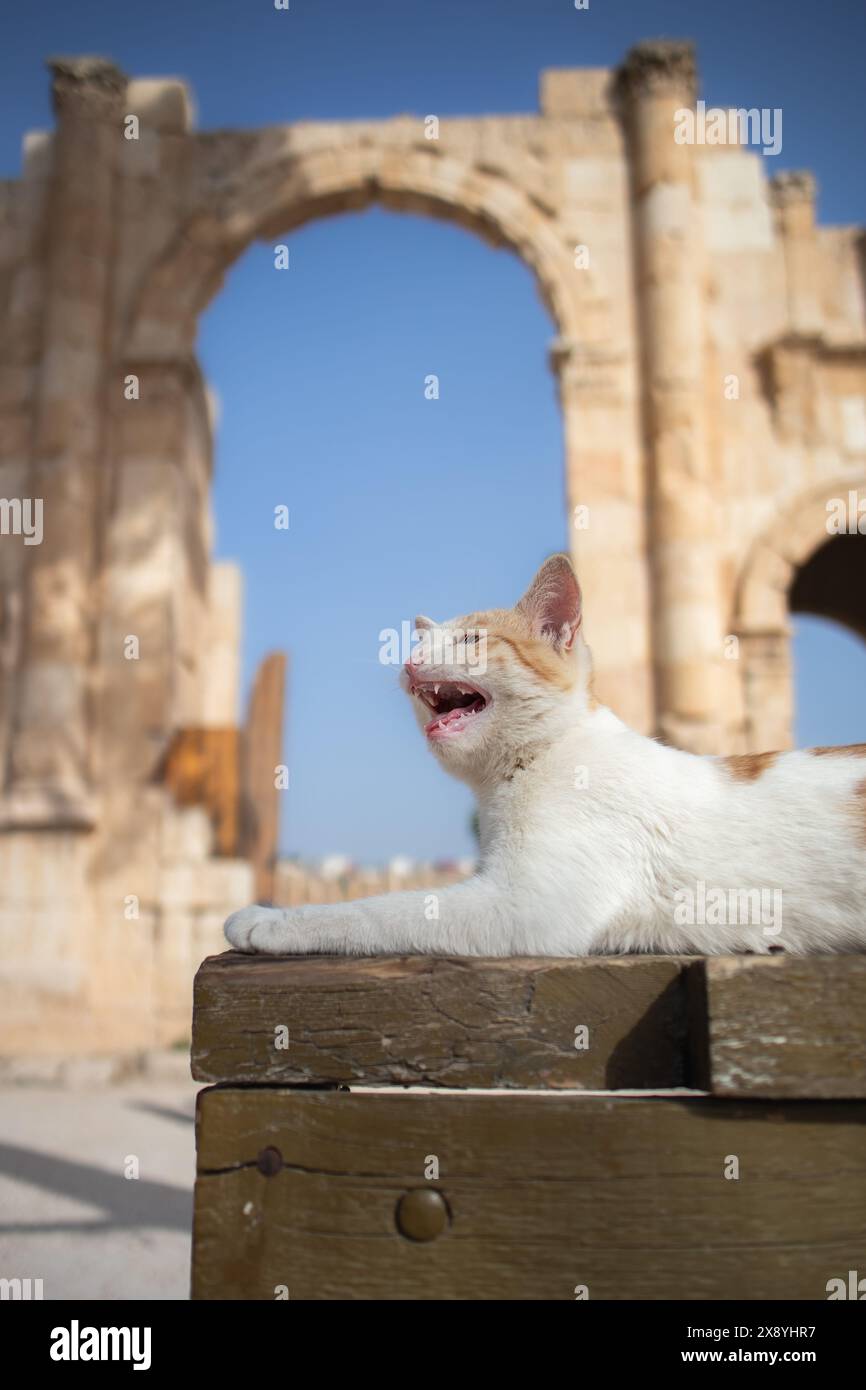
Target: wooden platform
(471, 1159)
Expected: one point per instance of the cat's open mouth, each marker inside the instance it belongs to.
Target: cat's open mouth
(454, 706)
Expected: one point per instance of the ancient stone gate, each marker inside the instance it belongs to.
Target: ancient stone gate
(710, 354)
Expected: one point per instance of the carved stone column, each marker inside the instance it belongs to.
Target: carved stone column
(155, 579)
(606, 501)
(48, 775)
(656, 81)
(768, 690)
(793, 193)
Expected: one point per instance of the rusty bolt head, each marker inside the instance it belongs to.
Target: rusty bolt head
(422, 1214)
(269, 1162)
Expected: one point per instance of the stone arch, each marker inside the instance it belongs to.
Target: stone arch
(762, 608)
(258, 187)
(274, 197)
(249, 186)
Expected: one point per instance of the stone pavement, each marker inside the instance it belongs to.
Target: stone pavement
(70, 1215)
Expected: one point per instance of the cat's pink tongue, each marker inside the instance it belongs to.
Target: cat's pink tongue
(451, 723)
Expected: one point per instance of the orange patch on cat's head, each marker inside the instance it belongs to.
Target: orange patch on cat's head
(541, 629)
(509, 633)
(505, 672)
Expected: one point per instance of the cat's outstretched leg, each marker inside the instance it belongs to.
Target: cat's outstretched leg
(467, 919)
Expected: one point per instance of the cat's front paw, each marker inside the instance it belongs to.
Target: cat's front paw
(264, 929)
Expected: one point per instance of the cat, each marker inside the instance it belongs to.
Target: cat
(594, 838)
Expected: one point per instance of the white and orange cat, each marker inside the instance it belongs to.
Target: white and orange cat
(595, 839)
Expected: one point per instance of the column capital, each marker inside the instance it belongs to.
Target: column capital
(659, 67)
(792, 187)
(90, 85)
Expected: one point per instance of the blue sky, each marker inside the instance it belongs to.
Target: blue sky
(399, 504)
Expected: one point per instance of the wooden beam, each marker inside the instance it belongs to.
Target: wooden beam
(598, 1023)
(304, 1193)
(786, 1026)
(261, 754)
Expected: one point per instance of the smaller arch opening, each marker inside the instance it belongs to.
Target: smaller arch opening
(832, 583)
(827, 600)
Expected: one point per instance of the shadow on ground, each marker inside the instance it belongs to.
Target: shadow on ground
(127, 1202)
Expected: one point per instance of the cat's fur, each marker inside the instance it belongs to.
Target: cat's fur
(588, 829)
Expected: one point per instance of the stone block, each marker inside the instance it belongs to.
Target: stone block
(568, 92)
(163, 104)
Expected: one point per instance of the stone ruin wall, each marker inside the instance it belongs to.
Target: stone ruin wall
(700, 509)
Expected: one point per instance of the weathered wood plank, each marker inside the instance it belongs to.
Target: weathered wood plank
(543, 1193)
(261, 752)
(437, 1021)
(781, 1026)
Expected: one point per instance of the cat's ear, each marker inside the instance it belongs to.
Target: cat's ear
(552, 603)
(422, 622)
